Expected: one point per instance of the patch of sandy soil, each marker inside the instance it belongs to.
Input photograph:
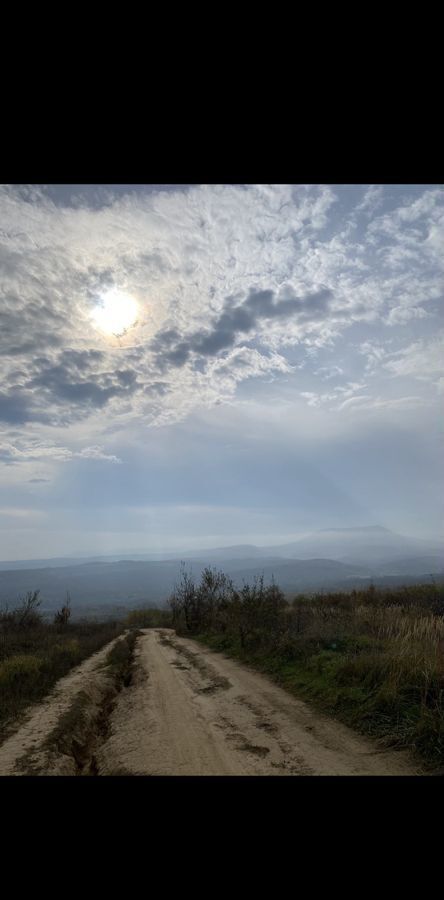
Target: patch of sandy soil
(190, 711)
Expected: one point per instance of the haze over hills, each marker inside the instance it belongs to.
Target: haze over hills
(327, 559)
(364, 544)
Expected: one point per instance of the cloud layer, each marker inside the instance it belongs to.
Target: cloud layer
(214, 268)
(318, 304)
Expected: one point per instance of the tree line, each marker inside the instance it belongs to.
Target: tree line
(216, 605)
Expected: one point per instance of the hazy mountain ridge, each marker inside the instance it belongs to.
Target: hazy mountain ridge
(349, 545)
(353, 557)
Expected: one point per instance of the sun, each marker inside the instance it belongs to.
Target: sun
(116, 312)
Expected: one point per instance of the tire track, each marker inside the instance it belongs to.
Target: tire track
(191, 711)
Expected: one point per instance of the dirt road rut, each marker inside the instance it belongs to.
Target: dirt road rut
(190, 711)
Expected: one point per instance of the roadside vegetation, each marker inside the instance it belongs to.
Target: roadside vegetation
(120, 659)
(374, 658)
(148, 618)
(34, 654)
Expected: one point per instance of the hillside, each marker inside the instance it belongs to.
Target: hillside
(104, 585)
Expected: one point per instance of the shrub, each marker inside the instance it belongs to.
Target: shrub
(149, 618)
(375, 656)
(17, 671)
(63, 615)
(25, 617)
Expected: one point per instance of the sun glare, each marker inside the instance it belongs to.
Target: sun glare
(116, 312)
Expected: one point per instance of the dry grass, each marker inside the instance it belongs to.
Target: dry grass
(374, 658)
(34, 655)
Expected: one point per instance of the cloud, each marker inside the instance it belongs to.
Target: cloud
(239, 320)
(329, 372)
(180, 254)
(373, 199)
(96, 452)
(423, 359)
(375, 353)
(14, 453)
(359, 399)
(359, 402)
(416, 227)
(14, 408)
(342, 395)
(20, 513)
(397, 403)
(214, 269)
(70, 385)
(245, 362)
(76, 382)
(398, 315)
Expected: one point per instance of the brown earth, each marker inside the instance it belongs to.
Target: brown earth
(190, 711)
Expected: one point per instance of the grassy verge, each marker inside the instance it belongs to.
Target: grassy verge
(371, 686)
(33, 659)
(372, 657)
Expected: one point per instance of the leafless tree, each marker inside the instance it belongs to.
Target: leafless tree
(27, 615)
(62, 615)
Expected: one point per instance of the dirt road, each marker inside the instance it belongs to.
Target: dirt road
(187, 711)
(194, 712)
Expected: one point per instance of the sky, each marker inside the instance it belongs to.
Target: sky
(188, 366)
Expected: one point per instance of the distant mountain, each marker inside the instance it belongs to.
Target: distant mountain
(325, 560)
(133, 583)
(298, 575)
(370, 544)
(421, 565)
(363, 544)
(129, 583)
(93, 583)
(56, 562)
(239, 551)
